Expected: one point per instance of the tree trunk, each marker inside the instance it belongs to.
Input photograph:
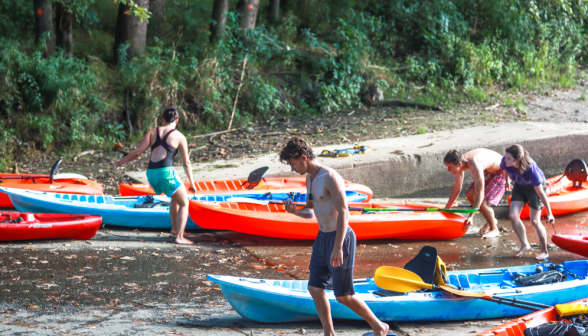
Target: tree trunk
(155, 28)
(274, 11)
(64, 28)
(130, 29)
(44, 24)
(249, 14)
(219, 16)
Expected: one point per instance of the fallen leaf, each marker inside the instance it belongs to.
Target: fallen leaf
(128, 258)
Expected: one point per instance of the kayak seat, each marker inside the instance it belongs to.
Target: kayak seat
(576, 172)
(149, 203)
(464, 281)
(424, 264)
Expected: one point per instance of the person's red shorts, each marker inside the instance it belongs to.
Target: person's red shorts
(494, 187)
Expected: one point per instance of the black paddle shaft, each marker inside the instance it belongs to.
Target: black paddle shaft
(532, 306)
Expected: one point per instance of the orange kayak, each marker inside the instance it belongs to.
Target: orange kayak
(272, 220)
(42, 183)
(237, 185)
(563, 197)
(516, 327)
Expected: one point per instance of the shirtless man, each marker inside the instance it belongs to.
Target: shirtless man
(333, 251)
(487, 189)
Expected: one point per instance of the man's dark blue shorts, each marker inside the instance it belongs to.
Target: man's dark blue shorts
(322, 274)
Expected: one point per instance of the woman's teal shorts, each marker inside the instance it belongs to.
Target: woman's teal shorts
(163, 180)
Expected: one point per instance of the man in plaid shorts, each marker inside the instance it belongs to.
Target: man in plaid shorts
(487, 189)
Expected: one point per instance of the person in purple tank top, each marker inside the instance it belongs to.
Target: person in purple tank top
(165, 143)
(529, 188)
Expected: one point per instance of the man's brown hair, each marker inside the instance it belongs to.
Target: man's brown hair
(453, 157)
(294, 149)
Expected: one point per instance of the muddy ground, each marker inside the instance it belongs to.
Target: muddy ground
(125, 282)
(352, 126)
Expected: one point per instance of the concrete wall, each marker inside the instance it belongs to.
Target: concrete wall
(425, 175)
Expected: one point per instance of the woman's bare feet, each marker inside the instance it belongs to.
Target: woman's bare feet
(542, 256)
(186, 234)
(522, 251)
(383, 330)
(491, 234)
(184, 241)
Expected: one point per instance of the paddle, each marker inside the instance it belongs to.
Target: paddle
(51, 176)
(263, 202)
(401, 280)
(415, 209)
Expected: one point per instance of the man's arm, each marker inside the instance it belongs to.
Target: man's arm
(478, 175)
(336, 187)
(304, 212)
(455, 190)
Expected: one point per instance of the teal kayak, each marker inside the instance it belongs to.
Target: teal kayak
(277, 301)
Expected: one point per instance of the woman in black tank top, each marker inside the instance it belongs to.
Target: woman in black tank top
(160, 172)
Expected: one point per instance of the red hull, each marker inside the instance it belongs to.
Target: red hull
(272, 221)
(238, 185)
(576, 244)
(516, 327)
(563, 197)
(65, 186)
(48, 226)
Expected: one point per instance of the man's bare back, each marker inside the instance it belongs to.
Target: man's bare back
(483, 159)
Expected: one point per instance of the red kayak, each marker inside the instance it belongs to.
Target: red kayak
(240, 185)
(271, 220)
(563, 197)
(517, 326)
(573, 243)
(43, 183)
(27, 226)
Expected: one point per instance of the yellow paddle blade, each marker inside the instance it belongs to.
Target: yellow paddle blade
(398, 279)
(464, 293)
(397, 284)
(398, 272)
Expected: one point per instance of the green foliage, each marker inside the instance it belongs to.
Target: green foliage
(54, 101)
(135, 9)
(322, 57)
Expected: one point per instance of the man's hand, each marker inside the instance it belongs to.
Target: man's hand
(550, 218)
(117, 164)
(337, 257)
(468, 222)
(290, 207)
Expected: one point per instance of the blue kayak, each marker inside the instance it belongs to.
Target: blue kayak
(275, 301)
(124, 211)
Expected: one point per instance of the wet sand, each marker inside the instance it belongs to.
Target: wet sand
(125, 282)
